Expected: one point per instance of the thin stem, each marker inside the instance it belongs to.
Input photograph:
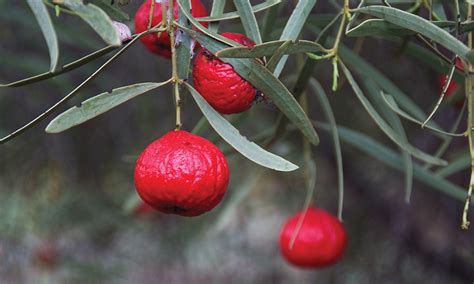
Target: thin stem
(174, 76)
(150, 16)
(443, 93)
(470, 123)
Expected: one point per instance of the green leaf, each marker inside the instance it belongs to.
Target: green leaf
(232, 136)
(463, 162)
(98, 105)
(269, 48)
(263, 80)
(244, 8)
(392, 159)
(365, 70)
(272, 63)
(379, 27)
(97, 19)
(294, 26)
(183, 49)
(217, 9)
(421, 26)
(376, 95)
(234, 15)
(328, 113)
(394, 107)
(113, 10)
(49, 33)
(384, 126)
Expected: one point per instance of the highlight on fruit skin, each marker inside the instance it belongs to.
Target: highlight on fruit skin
(320, 241)
(160, 44)
(219, 84)
(181, 173)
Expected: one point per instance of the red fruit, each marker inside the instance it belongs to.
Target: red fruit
(181, 173)
(321, 240)
(161, 44)
(219, 84)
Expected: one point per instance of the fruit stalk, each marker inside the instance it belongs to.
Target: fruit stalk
(174, 76)
(470, 124)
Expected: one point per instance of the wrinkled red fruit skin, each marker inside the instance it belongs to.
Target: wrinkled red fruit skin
(181, 173)
(320, 242)
(219, 84)
(161, 44)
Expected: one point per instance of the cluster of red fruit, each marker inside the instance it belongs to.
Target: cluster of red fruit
(184, 174)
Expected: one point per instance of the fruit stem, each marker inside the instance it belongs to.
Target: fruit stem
(174, 77)
(470, 124)
(150, 16)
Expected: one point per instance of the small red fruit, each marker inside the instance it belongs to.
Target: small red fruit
(161, 44)
(321, 240)
(219, 84)
(181, 173)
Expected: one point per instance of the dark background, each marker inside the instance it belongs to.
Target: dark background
(63, 196)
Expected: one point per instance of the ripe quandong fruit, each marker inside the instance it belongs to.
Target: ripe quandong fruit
(161, 44)
(321, 240)
(181, 173)
(219, 84)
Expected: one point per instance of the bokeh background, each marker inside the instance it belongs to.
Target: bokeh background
(63, 198)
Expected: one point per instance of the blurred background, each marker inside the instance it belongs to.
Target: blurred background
(64, 216)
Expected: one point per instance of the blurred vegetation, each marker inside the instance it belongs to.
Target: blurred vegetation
(64, 195)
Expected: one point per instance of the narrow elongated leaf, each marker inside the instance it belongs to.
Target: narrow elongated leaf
(394, 107)
(421, 26)
(463, 162)
(97, 19)
(183, 49)
(384, 126)
(328, 113)
(365, 70)
(202, 28)
(49, 33)
(264, 81)
(294, 26)
(379, 27)
(244, 8)
(392, 159)
(394, 121)
(98, 105)
(269, 48)
(232, 136)
(217, 9)
(234, 15)
(272, 63)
